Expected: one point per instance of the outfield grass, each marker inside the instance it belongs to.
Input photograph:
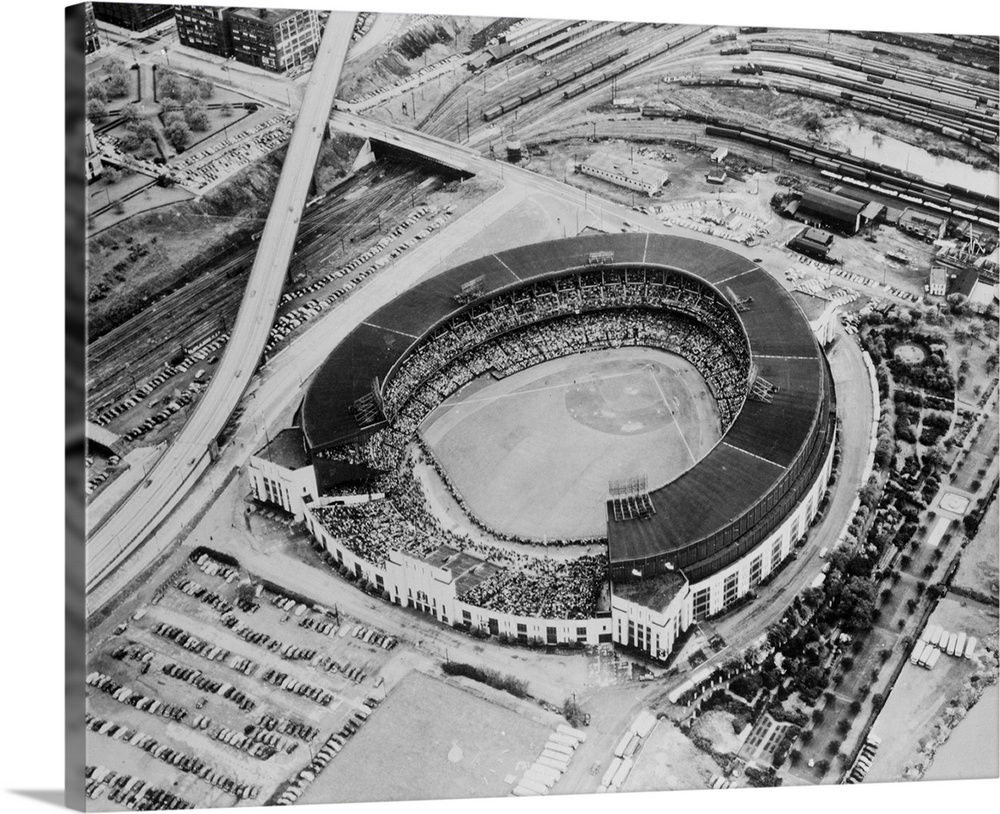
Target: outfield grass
(532, 454)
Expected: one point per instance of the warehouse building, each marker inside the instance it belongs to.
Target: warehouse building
(922, 224)
(812, 242)
(828, 210)
(630, 174)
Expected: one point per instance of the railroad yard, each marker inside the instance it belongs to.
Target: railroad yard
(211, 685)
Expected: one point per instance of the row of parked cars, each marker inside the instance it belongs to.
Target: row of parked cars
(197, 679)
(864, 761)
(202, 594)
(371, 635)
(326, 753)
(409, 80)
(168, 371)
(143, 703)
(290, 727)
(184, 762)
(250, 635)
(289, 684)
(214, 568)
(245, 743)
(191, 643)
(129, 791)
(287, 323)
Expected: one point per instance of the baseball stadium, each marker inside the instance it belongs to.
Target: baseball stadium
(593, 439)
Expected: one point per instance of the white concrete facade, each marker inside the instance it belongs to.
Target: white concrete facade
(412, 582)
(291, 489)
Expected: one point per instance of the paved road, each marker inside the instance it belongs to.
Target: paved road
(189, 456)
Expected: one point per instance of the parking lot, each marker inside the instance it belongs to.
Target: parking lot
(229, 685)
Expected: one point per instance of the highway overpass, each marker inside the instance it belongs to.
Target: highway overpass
(135, 521)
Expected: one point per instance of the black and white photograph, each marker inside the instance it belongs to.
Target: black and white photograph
(479, 405)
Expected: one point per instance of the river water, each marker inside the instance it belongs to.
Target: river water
(864, 143)
(973, 750)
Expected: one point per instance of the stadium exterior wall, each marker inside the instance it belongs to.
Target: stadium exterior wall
(719, 591)
(411, 582)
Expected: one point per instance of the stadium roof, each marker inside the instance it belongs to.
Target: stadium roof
(752, 458)
(286, 449)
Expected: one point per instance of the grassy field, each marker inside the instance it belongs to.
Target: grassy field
(532, 454)
(978, 569)
(431, 740)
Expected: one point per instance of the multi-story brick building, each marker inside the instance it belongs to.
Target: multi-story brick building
(204, 28)
(274, 39)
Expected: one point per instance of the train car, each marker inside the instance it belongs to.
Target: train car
(801, 157)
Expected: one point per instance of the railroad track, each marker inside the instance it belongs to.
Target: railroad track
(330, 231)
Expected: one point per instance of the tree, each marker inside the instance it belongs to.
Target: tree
(196, 115)
(130, 113)
(856, 604)
(823, 766)
(168, 84)
(807, 736)
(112, 175)
(117, 206)
(96, 90)
(177, 134)
(794, 756)
(226, 109)
(843, 727)
(855, 706)
(833, 747)
(143, 130)
(96, 109)
(118, 83)
(572, 713)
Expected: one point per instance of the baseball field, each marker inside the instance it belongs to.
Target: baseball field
(533, 454)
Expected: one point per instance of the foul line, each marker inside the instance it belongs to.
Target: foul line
(542, 389)
(502, 263)
(734, 276)
(753, 455)
(393, 330)
(781, 356)
(672, 416)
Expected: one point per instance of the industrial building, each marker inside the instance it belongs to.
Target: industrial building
(274, 39)
(204, 28)
(929, 227)
(812, 242)
(133, 16)
(828, 210)
(630, 174)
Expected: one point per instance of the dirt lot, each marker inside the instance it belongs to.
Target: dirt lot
(555, 434)
(430, 739)
(919, 712)
(717, 726)
(670, 761)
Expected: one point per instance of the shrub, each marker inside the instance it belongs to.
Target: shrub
(485, 675)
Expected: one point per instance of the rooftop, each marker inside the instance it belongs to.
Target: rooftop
(286, 449)
(264, 15)
(654, 592)
(637, 171)
(829, 205)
